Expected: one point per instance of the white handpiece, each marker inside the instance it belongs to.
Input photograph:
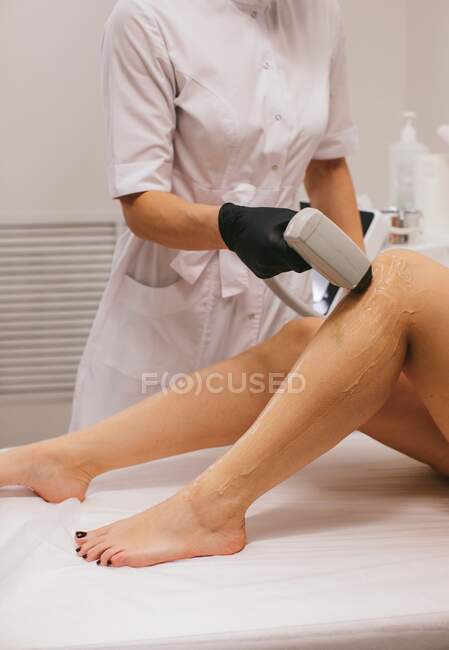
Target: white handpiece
(328, 249)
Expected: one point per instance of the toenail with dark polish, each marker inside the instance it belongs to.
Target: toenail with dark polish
(78, 549)
(109, 562)
(98, 561)
(80, 533)
(84, 556)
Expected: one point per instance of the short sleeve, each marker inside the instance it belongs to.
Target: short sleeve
(341, 136)
(139, 90)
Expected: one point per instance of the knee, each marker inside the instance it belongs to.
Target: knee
(397, 270)
(298, 332)
(398, 259)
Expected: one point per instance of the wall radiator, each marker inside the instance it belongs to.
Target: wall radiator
(52, 275)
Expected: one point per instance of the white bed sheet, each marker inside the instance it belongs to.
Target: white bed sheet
(352, 552)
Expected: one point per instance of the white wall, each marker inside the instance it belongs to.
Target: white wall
(51, 126)
(51, 119)
(51, 139)
(428, 66)
(31, 421)
(377, 62)
(398, 59)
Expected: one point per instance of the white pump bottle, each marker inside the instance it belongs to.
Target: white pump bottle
(403, 156)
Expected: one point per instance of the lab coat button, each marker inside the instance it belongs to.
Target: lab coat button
(278, 117)
(254, 14)
(266, 65)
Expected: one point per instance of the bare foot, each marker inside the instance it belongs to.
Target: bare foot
(52, 468)
(172, 530)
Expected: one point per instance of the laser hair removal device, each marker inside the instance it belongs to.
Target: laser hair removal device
(329, 250)
(375, 229)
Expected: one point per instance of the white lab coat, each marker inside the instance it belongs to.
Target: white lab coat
(214, 100)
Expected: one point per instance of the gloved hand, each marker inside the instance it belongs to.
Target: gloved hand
(256, 235)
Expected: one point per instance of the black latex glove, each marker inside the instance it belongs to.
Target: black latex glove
(256, 235)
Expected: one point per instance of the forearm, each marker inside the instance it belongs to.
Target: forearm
(170, 220)
(330, 189)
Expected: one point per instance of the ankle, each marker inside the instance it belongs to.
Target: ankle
(80, 453)
(215, 512)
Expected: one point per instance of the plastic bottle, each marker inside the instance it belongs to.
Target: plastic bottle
(432, 189)
(403, 156)
(443, 132)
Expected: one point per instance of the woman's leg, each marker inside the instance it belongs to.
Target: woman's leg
(350, 369)
(405, 424)
(169, 424)
(164, 424)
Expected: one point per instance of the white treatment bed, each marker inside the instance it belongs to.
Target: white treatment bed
(351, 553)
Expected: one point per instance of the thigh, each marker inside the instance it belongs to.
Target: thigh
(405, 424)
(427, 362)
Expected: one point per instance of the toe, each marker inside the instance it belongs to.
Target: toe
(99, 531)
(81, 543)
(119, 559)
(106, 557)
(95, 552)
(92, 536)
(87, 546)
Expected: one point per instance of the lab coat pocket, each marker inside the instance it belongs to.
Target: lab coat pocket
(153, 330)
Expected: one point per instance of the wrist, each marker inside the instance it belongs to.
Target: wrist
(227, 217)
(204, 218)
